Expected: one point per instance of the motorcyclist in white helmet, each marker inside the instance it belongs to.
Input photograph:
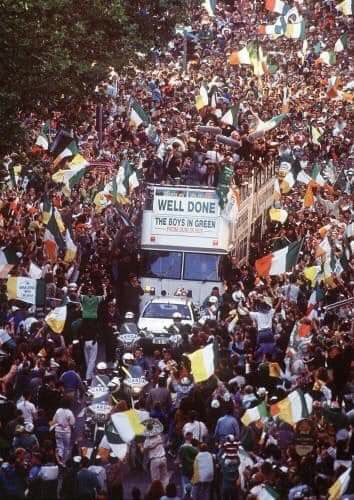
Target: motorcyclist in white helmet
(129, 325)
(100, 378)
(211, 311)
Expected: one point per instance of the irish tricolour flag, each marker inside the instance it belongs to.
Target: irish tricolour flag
(210, 6)
(137, 114)
(72, 175)
(278, 262)
(277, 6)
(202, 363)
(27, 290)
(240, 57)
(262, 127)
(293, 408)
(254, 414)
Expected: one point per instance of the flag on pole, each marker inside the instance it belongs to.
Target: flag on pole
(346, 7)
(124, 183)
(210, 7)
(8, 260)
(340, 486)
(56, 318)
(262, 127)
(254, 414)
(303, 177)
(295, 31)
(342, 43)
(71, 248)
(277, 6)
(231, 116)
(137, 115)
(128, 424)
(202, 363)
(278, 215)
(71, 175)
(53, 236)
(293, 408)
(70, 150)
(29, 290)
(278, 262)
(240, 57)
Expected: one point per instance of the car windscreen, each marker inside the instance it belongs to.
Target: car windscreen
(166, 310)
(201, 267)
(161, 264)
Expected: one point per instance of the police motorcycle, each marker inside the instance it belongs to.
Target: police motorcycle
(134, 379)
(129, 337)
(100, 398)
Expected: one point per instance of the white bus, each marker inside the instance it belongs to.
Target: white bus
(183, 239)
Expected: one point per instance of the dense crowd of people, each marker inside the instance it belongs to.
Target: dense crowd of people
(234, 435)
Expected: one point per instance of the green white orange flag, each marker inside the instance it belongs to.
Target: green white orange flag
(202, 363)
(342, 43)
(279, 262)
(202, 99)
(254, 414)
(262, 127)
(56, 318)
(240, 57)
(340, 486)
(124, 183)
(346, 7)
(277, 6)
(29, 290)
(293, 408)
(8, 260)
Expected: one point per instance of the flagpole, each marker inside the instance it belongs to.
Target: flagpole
(298, 255)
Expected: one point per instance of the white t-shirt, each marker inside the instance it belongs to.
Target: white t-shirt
(28, 411)
(263, 320)
(197, 428)
(63, 420)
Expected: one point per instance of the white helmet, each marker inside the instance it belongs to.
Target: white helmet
(237, 296)
(101, 366)
(213, 300)
(128, 358)
(129, 315)
(177, 316)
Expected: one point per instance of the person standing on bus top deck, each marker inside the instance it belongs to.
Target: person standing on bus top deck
(132, 292)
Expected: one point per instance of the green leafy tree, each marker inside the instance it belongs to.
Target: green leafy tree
(57, 51)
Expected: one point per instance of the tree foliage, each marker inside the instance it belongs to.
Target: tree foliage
(53, 51)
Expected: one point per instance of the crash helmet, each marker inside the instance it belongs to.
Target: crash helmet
(177, 316)
(128, 359)
(129, 315)
(101, 366)
(213, 300)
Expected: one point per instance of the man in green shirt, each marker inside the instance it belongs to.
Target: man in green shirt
(186, 456)
(89, 327)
